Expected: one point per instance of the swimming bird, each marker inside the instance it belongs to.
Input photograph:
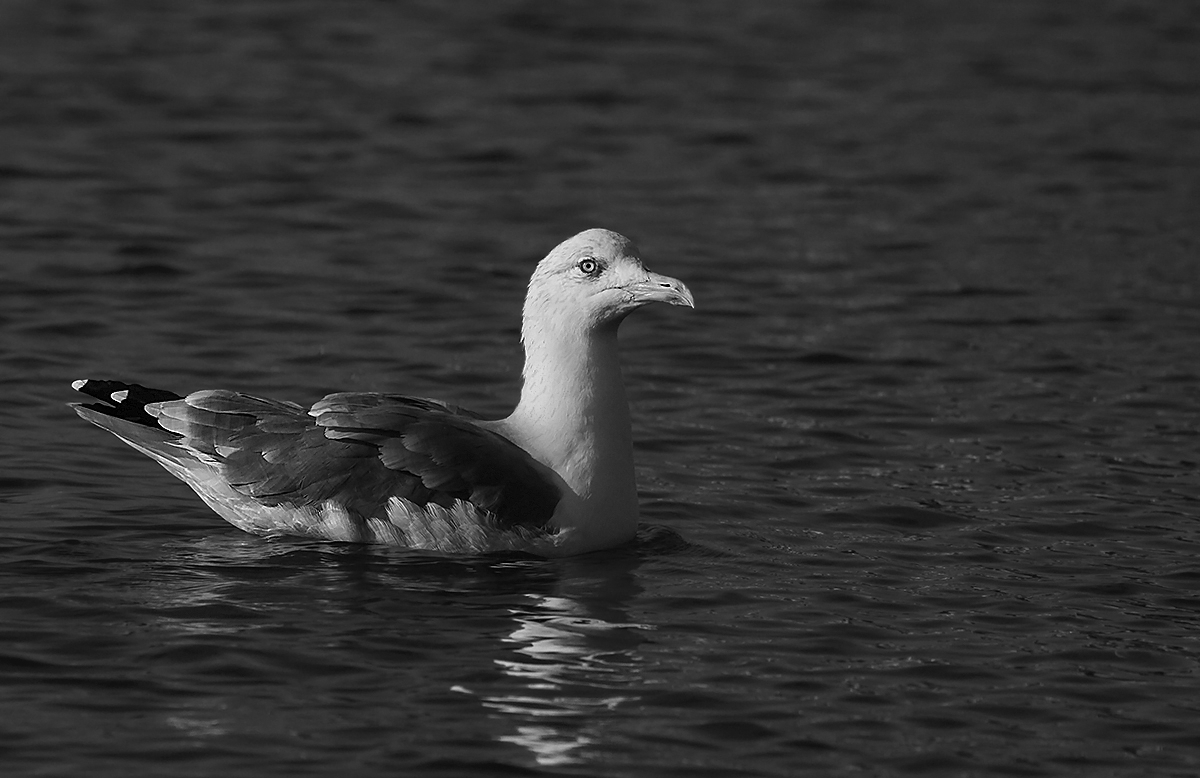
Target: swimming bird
(554, 478)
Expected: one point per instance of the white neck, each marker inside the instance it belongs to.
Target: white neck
(573, 417)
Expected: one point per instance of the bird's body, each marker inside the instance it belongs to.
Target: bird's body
(554, 478)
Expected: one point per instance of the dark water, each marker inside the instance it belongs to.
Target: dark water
(919, 477)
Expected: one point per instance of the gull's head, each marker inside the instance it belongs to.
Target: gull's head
(596, 279)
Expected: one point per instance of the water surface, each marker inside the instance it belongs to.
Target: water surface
(919, 476)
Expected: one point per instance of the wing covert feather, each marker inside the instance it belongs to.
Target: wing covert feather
(447, 450)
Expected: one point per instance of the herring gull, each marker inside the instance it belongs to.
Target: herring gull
(554, 478)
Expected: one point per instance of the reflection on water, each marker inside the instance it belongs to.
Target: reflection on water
(547, 648)
(192, 724)
(573, 664)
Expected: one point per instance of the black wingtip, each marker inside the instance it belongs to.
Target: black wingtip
(122, 400)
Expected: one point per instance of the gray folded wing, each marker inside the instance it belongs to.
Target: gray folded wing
(361, 450)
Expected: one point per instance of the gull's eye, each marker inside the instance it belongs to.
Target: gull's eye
(589, 267)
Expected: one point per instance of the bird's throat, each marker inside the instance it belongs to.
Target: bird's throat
(573, 417)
